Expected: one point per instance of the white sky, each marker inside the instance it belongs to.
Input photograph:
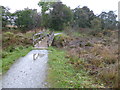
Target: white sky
(96, 5)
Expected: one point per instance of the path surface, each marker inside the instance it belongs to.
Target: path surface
(26, 72)
(57, 34)
(42, 44)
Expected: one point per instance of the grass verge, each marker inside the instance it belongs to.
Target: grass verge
(12, 57)
(62, 74)
(58, 32)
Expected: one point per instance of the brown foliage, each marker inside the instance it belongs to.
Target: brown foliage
(99, 56)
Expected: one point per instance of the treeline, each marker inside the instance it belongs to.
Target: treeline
(57, 16)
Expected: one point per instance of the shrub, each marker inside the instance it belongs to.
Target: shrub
(60, 40)
(4, 54)
(109, 74)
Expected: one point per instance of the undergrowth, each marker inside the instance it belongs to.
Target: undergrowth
(13, 56)
(62, 73)
(14, 45)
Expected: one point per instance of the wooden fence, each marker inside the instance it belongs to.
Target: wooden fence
(41, 36)
(50, 38)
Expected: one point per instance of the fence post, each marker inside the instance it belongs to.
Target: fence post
(50, 37)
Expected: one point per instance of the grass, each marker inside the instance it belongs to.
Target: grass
(12, 57)
(58, 32)
(62, 74)
(100, 54)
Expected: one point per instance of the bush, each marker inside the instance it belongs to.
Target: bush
(61, 40)
(110, 74)
(12, 40)
(9, 34)
(4, 54)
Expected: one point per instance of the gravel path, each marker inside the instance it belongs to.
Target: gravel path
(27, 72)
(57, 34)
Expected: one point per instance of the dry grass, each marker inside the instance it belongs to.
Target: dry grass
(100, 58)
(109, 74)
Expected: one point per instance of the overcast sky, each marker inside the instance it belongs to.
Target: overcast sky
(96, 5)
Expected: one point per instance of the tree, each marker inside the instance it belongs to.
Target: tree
(60, 16)
(96, 23)
(45, 6)
(82, 17)
(27, 19)
(108, 20)
(36, 18)
(5, 16)
(118, 25)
